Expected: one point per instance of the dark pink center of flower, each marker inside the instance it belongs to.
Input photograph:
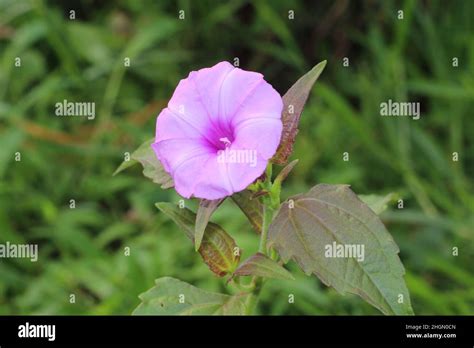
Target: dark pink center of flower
(220, 136)
(226, 141)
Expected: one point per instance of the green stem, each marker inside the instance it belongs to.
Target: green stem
(267, 219)
(252, 298)
(257, 282)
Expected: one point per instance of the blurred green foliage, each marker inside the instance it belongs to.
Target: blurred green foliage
(82, 249)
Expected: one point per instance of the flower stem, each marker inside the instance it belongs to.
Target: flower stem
(267, 219)
(257, 282)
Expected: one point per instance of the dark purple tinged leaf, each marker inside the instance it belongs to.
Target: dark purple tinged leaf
(217, 247)
(205, 210)
(293, 103)
(307, 223)
(251, 207)
(262, 266)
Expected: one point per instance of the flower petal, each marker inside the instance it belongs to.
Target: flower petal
(237, 87)
(260, 134)
(171, 125)
(208, 82)
(213, 182)
(197, 97)
(243, 174)
(262, 102)
(172, 153)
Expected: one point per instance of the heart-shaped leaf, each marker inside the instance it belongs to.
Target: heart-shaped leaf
(330, 232)
(251, 207)
(205, 210)
(152, 167)
(217, 249)
(171, 296)
(294, 101)
(262, 266)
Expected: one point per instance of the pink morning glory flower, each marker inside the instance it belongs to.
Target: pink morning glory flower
(220, 128)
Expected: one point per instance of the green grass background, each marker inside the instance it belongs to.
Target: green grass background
(82, 249)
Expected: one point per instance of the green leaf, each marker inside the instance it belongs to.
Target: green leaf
(171, 296)
(276, 187)
(205, 210)
(251, 207)
(262, 266)
(293, 103)
(217, 249)
(285, 172)
(309, 224)
(377, 203)
(124, 165)
(152, 168)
